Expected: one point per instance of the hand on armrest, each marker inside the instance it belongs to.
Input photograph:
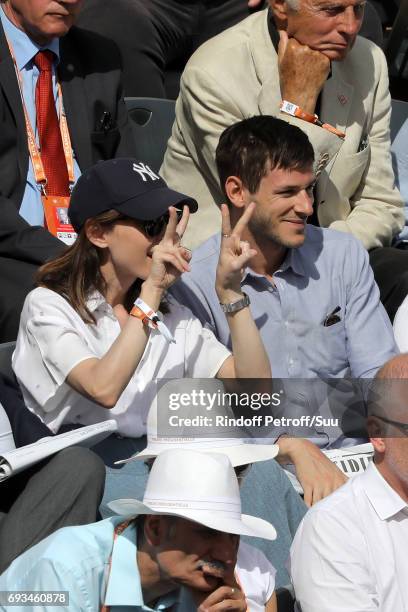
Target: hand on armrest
(316, 473)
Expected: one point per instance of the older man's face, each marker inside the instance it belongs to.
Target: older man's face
(391, 410)
(328, 26)
(197, 557)
(396, 448)
(43, 20)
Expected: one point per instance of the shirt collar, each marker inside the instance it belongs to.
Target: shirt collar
(293, 261)
(95, 300)
(124, 584)
(24, 48)
(385, 501)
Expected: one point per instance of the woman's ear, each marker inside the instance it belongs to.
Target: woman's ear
(96, 233)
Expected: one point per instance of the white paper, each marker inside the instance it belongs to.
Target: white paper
(351, 460)
(19, 459)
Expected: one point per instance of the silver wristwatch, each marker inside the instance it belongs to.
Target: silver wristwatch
(236, 306)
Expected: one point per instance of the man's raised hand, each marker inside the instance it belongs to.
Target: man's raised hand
(234, 256)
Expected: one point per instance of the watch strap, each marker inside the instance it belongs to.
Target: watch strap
(236, 306)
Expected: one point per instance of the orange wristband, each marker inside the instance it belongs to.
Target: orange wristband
(139, 314)
(292, 109)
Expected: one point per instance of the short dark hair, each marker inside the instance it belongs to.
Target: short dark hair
(245, 148)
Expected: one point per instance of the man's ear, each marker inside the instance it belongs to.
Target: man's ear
(280, 12)
(155, 529)
(96, 233)
(235, 191)
(375, 430)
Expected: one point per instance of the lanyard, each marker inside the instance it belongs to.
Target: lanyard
(35, 155)
(118, 530)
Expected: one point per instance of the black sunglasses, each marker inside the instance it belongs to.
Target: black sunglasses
(155, 227)
(402, 426)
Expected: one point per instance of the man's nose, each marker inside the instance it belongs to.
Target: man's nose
(304, 203)
(350, 21)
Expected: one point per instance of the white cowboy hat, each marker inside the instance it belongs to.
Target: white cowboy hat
(239, 450)
(200, 487)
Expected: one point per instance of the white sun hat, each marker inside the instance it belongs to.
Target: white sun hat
(238, 449)
(200, 487)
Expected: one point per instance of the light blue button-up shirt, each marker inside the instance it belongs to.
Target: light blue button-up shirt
(24, 51)
(330, 271)
(76, 560)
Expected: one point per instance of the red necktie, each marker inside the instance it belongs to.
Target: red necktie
(52, 152)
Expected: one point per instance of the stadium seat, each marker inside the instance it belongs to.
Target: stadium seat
(399, 115)
(6, 351)
(152, 120)
(397, 49)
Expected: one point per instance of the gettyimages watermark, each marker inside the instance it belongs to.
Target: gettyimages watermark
(332, 409)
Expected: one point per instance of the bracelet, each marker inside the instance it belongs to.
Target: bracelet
(295, 111)
(150, 318)
(237, 305)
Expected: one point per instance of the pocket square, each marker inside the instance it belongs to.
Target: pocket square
(332, 318)
(363, 144)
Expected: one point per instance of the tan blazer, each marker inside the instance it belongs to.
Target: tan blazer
(234, 76)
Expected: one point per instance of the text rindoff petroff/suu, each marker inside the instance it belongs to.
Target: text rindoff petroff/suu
(257, 420)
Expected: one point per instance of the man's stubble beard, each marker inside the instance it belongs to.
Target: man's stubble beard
(261, 230)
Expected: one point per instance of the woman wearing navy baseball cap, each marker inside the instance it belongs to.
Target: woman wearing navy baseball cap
(92, 341)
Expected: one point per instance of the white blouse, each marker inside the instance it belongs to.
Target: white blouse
(53, 339)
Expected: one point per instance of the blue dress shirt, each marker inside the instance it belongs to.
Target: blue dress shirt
(24, 51)
(76, 559)
(330, 271)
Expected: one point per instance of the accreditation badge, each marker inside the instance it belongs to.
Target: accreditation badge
(56, 217)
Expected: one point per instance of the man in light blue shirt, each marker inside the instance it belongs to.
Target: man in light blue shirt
(312, 291)
(186, 533)
(74, 562)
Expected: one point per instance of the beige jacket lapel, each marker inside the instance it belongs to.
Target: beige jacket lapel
(265, 63)
(336, 102)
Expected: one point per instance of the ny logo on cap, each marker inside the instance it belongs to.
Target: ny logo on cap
(145, 171)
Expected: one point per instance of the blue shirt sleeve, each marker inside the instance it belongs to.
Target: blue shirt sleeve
(369, 335)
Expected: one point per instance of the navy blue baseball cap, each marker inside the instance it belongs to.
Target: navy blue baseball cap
(127, 185)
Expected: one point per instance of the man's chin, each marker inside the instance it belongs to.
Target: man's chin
(294, 242)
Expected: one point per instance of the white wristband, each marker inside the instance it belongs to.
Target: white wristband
(154, 320)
